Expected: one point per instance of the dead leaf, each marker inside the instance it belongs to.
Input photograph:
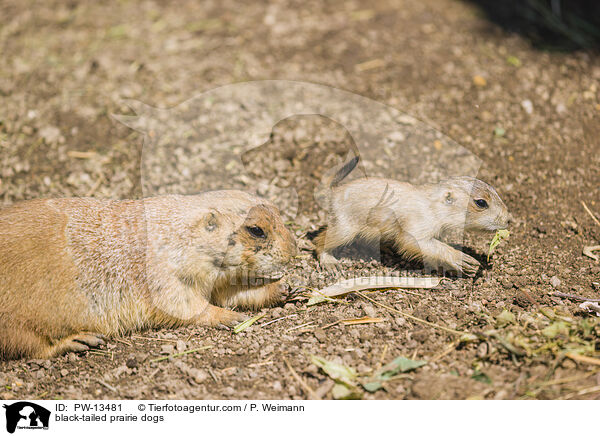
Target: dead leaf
(369, 65)
(377, 282)
(479, 81)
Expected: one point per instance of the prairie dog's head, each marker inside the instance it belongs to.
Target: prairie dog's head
(219, 235)
(475, 203)
(261, 245)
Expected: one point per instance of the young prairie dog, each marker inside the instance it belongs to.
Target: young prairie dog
(75, 269)
(411, 217)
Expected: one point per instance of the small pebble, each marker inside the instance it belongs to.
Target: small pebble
(370, 310)
(199, 375)
(320, 335)
(277, 312)
(167, 349)
(181, 346)
(420, 335)
(527, 106)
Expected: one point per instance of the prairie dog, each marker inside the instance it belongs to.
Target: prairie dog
(412, 217)
(75, 269)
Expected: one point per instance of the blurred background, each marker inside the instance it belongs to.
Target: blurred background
(549, 24)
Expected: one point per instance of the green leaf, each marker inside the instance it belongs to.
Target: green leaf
(468, 337)
(499, 131)
(342, 392)
(372, 386)
(320, 298)
(315, 300)
(345, 379)
(548, 312)
(117, 32)
(555, 329)
(481, 377)
(498, 237)
(398, 365)
(401, 364)
(505, 318)
(336, 371)
(514, 61)
(245, 324)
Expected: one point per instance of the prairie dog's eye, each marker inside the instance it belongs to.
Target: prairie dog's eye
(256, 231)
(481, 203)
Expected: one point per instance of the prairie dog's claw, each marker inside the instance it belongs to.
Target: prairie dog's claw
(328, 262)
(468, 265)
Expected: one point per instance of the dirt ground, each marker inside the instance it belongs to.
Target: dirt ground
(531, 116)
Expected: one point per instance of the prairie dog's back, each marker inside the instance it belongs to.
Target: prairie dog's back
(379, 206)
(34, 260)
(76, 254)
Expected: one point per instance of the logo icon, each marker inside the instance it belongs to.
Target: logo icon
(26, 415)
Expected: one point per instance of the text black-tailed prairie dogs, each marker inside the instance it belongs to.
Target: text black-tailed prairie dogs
(75, 269)
(411, 217)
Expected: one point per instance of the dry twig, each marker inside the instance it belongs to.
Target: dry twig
(574, 297)
(414, 318)
(311, 393)
(587, 209)
(183, 353)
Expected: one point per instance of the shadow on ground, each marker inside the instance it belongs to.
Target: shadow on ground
(548, 24)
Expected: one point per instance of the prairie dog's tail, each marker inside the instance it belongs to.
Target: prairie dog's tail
(333, 179)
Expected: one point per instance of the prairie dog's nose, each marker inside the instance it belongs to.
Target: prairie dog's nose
(503, 220)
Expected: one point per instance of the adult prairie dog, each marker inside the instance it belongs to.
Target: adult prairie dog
(412, 217)
(75, 269)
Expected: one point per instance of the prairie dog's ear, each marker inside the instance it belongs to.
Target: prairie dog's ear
(211, 222)
(208, 222)
(449, 197)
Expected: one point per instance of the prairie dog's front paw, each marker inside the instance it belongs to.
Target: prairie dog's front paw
(279, 292)
(468, 265)
(233, 319)
(328, 262)
(215, 315)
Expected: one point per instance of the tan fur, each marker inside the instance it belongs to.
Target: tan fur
(412, 218)
(75, 269)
